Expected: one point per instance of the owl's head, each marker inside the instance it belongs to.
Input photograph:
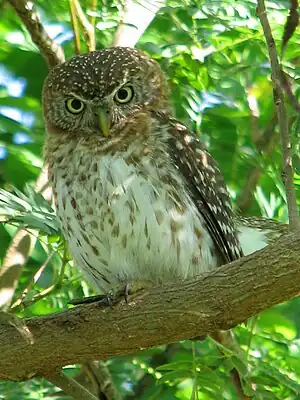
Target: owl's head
(96, 91)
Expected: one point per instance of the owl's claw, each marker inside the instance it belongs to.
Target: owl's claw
(104, 300)
(115, 296)
(123, 292)
(135, 288)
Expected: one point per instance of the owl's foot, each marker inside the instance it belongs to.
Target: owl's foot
(134, 289)
(104, 300)
(114, 296)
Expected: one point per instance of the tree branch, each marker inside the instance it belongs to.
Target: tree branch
(88, 27)
(75, 26)
(220, 300)
(69, 386)
(101, 379)
(287, 169)
(16, 257)
(51, 51)
(148, 380)
(136, 18)
(19, 252)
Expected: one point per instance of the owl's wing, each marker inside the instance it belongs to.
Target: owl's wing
(207, 188)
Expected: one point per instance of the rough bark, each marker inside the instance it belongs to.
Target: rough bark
(220, 300)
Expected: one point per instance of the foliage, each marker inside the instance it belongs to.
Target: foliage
(215, 57)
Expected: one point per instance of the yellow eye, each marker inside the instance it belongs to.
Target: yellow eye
(74, 106)
(124, 95)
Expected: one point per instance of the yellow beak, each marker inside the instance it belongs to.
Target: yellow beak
(104, 122)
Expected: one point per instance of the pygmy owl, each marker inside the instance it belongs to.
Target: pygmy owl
(137, 195)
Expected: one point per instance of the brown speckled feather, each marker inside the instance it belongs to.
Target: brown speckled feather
(207, 189)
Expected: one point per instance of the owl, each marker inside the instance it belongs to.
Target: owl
(137, 195)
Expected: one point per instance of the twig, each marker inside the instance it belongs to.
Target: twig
(287, 169)
(291, 25)
(288, 90)
(19, 300)
(50, 50)
(88, 28)
(15, 259)
(18, 253)
(75, 26)
(69, 386)
(56, 285)
(96, 377)
(101, 378)
(93, 18)
(228, 340)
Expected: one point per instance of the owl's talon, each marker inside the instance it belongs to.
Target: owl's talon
(127, 292)
(104, 300)
(133, 289)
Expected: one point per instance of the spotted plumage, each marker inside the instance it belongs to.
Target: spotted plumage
(137, 195)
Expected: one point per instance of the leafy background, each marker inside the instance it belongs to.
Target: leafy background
(215, 57)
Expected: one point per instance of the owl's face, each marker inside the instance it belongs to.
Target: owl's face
(95, 92)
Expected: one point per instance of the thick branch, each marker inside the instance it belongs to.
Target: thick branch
(220, 300)
(27, 13)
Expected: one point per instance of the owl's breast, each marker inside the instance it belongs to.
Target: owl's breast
(130, 220)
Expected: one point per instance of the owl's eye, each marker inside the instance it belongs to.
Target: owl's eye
(74, 106)
(124, 95)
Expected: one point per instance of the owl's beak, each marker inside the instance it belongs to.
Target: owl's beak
(104, 122)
